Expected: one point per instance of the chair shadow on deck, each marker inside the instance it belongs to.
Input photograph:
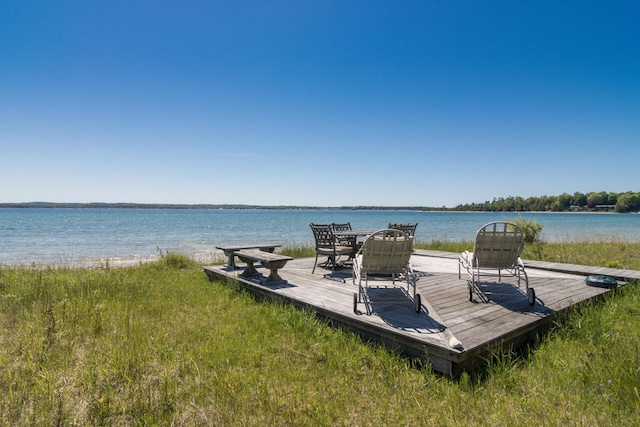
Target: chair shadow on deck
(509, 296)
(394, 306)
(419, 273)
(341, 274)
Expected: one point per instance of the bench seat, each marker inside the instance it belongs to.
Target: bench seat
(268, 260)
(229, 250)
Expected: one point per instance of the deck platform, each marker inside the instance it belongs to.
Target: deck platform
(447, 317)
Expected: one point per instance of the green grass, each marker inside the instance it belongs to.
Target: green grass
(446, 246)
(612, 254)
(159, 344)
(602, 254)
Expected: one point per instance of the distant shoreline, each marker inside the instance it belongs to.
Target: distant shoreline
(104, 205)
(101, 205)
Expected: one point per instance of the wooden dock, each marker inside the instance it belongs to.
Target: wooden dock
(447, 317)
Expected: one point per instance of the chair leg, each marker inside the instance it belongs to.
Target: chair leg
(314, 264)
(332, 259)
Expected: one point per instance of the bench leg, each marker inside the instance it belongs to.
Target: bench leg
(230, 260)
(274, 277)
(273, 267)
(250, 270)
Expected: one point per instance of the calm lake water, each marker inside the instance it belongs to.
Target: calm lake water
(84, 236)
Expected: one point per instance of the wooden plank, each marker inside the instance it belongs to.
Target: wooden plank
(617, 273)
(261, 255)
(229, 250)
(233, 248)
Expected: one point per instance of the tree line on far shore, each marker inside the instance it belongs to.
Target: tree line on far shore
(594, 201)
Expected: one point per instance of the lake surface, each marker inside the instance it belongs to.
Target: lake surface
(84, 236)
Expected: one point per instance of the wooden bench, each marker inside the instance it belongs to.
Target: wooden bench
(229, 250)
(268, 260)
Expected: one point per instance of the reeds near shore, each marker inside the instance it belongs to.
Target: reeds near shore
(159, 344)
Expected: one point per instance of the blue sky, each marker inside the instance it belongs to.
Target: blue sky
(321, 103)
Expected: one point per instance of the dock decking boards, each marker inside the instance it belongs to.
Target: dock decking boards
(447, 313)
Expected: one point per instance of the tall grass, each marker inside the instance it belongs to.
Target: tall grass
(613, 254)
(446, 246)
(158, 344)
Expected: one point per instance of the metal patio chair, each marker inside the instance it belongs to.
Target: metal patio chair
(497, 249)
(385, 252)
(410, 229)
(327, 245)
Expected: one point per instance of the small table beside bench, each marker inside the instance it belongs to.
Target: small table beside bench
(229, 250)
(268, 260)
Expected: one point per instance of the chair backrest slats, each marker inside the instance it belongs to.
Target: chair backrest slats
(409, 229)
(323, 235)
(498, 245)
(386, 252)
(341, 227)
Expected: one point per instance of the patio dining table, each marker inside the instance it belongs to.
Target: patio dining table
(353, 233)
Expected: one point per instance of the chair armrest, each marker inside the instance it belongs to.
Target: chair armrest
(410, 273)
(357, 260)
(464, 261)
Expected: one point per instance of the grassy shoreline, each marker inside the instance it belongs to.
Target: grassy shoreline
(612, 254)
(158, 344)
